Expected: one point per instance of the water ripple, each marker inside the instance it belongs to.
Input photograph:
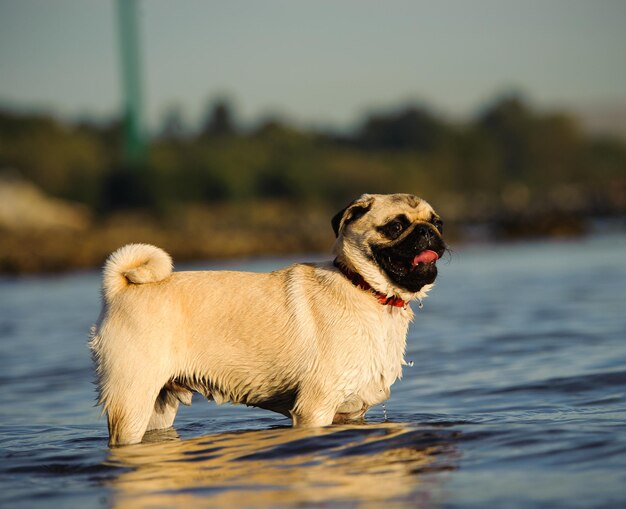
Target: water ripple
(516, 398)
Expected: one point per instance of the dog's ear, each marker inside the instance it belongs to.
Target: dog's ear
(352, 212)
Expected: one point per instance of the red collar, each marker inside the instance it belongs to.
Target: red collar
(358, 281)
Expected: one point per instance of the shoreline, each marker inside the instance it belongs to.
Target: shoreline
(219, 234)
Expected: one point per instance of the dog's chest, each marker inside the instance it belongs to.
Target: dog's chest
(382, 357)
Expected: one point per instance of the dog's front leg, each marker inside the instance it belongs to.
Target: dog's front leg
(314, 408)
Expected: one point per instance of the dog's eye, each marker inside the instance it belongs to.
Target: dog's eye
(438, 223)
(393, 229)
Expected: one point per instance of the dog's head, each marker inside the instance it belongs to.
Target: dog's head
(392, 240)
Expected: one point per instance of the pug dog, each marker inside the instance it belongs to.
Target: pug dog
(319, 343)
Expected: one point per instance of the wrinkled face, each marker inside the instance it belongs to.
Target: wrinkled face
(393, 241)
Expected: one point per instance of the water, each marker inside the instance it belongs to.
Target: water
(516, 398)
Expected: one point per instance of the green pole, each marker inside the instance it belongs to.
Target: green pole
(134, 137)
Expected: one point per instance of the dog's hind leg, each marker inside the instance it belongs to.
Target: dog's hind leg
(130, 408)
(166, 406)
(127, 421)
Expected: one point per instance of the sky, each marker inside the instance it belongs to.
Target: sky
(324, 63)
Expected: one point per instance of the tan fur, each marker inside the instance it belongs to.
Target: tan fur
(302, 341)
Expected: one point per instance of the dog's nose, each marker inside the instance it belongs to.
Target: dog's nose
(425, 231)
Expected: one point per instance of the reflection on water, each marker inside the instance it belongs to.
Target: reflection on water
(516, 398)
(365, 464)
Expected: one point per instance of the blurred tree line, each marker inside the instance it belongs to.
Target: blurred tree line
(508, 161)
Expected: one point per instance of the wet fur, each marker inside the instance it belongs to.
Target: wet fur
(302, 341)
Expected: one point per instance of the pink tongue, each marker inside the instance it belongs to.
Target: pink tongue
(427, 256)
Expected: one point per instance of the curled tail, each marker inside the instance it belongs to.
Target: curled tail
(134, 264)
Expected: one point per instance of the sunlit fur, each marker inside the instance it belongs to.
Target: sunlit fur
(302, 341)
